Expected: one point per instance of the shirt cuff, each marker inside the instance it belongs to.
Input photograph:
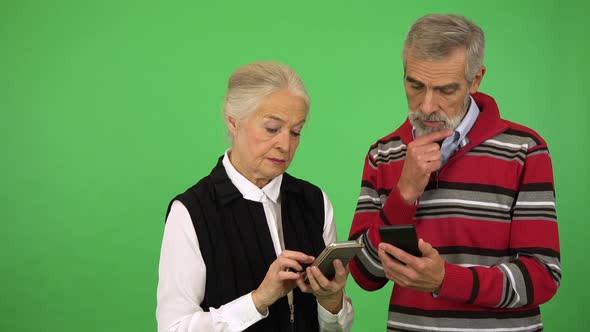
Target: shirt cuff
(339, 319)
(238, 314)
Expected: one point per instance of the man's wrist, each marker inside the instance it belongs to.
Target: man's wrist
(407, 195)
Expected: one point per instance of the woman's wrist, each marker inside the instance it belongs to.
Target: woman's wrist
(259, 303)
(332, 303)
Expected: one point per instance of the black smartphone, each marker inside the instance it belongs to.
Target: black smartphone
(401, 236)
(342, 250)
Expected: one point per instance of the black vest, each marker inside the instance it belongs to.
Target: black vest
(237, 248)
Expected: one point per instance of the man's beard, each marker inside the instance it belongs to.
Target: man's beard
(417, 119)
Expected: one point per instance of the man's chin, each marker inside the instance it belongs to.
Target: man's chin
(423, 130)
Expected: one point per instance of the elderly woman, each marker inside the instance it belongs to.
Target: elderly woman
(236, 244)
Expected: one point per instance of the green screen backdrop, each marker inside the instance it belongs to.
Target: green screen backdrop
(110, 108)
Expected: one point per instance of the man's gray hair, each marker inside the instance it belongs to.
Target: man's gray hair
(250, 83)
(436, 36)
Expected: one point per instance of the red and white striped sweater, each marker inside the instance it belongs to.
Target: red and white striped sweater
(490, 213)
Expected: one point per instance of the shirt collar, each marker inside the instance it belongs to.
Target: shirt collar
(467, 123)
(248, 189)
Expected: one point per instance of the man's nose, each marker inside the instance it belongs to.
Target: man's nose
(429, 104)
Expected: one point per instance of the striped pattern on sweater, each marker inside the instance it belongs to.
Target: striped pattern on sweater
(490, 213)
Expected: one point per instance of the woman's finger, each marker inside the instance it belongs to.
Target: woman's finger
(319, 277)
(287, 264)
(305, 288)
(341, 272)
(287, 275)
(313, 281)
(297, 256)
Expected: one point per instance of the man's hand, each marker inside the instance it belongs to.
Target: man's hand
(422, 158)
(280, 279)
(424, 273)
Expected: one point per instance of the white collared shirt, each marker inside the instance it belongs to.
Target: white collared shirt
(182, 271)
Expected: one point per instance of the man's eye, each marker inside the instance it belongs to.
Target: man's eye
(295, 133)
(448, 91)
(416, 87)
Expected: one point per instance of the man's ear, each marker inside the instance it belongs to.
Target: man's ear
(232, 124)
(477, 80)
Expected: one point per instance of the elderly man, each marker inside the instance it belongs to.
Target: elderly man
(478, 189)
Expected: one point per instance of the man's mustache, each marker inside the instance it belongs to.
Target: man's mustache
(429, 117)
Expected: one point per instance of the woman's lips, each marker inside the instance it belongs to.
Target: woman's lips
(276, 161)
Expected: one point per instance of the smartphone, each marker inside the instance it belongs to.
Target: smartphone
(401, 236)
(342, 250)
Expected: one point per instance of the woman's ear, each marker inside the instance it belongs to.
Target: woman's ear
(232, 124)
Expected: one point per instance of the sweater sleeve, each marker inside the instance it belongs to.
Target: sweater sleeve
(533, 274)
(370, 214)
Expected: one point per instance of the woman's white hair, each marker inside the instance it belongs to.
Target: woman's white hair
(250, 83)
(435, 36)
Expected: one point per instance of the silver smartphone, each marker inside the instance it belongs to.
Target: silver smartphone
(342, 250)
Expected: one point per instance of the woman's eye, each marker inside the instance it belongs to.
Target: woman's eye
(272, 130)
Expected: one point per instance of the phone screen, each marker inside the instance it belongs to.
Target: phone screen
(401, 236)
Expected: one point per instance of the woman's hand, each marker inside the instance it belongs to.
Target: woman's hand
(328, 292)
(280, 279)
